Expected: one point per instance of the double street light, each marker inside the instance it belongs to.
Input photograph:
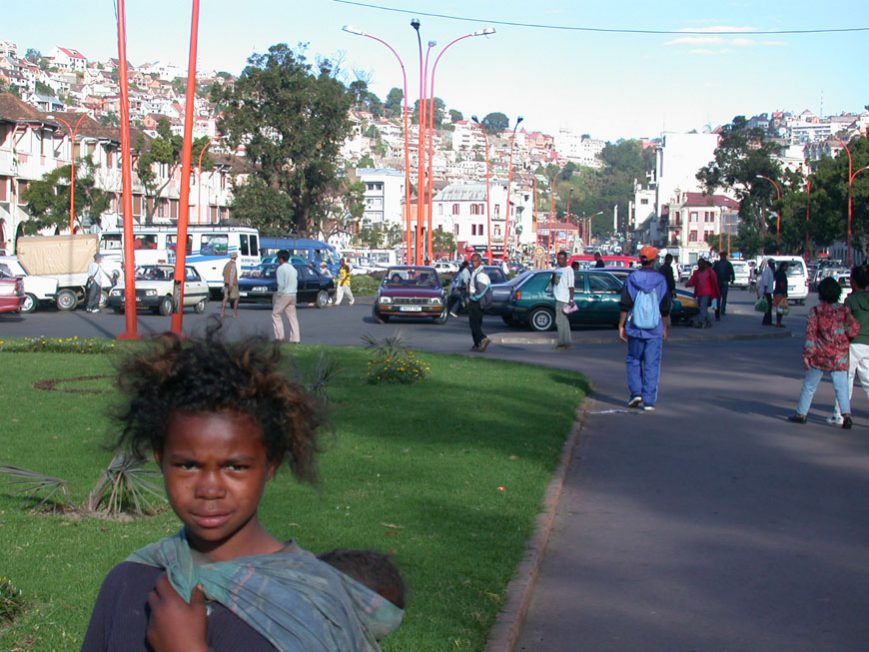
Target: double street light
(778, 219)
(424, 193)
(72, 131)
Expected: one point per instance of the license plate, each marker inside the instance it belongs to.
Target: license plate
(260, 288)
(242, 294)
(411, 308)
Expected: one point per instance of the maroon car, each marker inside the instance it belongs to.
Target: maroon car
(410, 291)
(11, 293)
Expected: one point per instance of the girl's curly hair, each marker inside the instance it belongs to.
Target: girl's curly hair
(210, 375)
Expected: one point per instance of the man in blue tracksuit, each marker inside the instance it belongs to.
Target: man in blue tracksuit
(644, 344)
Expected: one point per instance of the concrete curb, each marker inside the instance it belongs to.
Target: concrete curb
(508, 627)
(549, 340)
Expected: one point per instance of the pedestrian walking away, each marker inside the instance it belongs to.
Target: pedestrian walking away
(284, 299)
(667, 271)
(343, 288)
(562, 289)
(725, 275)
(705, 285)
(459, 289)
(858, 351)
(230, 285)
(780, 293)
(829, 331)
(765, 286)
(480, 288)
(98, 279)
(643, 324)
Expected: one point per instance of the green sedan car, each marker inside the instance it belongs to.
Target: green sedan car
(597, 295)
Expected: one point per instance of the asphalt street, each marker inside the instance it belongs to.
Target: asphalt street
(710, 524)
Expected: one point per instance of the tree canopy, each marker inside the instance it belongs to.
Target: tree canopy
(495, 123)
(48, 199)
(291, 117)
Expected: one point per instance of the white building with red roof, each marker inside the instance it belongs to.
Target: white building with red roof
(68, 59)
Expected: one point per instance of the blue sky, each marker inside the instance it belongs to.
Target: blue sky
(609, 85)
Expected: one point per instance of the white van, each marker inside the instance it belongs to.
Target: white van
(741, 274)
(798, 277)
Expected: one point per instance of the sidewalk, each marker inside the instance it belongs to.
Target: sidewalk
(710, 524)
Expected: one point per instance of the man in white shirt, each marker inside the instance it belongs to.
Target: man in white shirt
(480, 291)
(284, 299)
(97, 280)
(562, 289)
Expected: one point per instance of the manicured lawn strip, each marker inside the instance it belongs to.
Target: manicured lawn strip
(447, 474)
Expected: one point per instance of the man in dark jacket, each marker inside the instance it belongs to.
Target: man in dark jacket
(644, 344)
(667, 271)
(724, 271)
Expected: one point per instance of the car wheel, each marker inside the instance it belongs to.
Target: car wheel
(104, 299)
(166, 306)
(199, 308)
(541, 319)
(322, 300)
(30, 303)
(442, 318)
(66, 299)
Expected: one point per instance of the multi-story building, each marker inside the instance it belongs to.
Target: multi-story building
(693, 218)
(384, 196)
(67, 59)
(679, 158)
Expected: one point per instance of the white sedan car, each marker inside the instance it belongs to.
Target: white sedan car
(36, 288)
(154, 290)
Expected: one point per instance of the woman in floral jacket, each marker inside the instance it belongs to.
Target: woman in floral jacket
(829, 332)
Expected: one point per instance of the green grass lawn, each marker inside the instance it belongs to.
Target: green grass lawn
(448, 475)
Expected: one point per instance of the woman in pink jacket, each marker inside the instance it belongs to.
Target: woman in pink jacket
(705, 285)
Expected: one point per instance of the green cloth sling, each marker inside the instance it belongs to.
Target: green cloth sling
(290, 597)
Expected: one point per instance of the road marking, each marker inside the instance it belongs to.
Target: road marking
(617, 411)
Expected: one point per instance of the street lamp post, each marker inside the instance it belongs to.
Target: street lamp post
(808, 217)
(519, 119)
(851, 207)
(851, 176)
(352, 30)
(778, 219)
(72, 131)
(488, 184)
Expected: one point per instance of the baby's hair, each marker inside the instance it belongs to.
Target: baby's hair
(373, 569)
(196, 375)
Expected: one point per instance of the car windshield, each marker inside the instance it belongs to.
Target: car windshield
(795, 270)
(423, 278)
(263, 271)
(154, 273)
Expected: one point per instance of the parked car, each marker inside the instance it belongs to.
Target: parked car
(11, 292)
(501, 293)
(597, 295)
(446, 267)
(36, 288)
(683, 308)
(495, 273)
(259, 285)
(155, 290)
(410, 291)
(685, 271)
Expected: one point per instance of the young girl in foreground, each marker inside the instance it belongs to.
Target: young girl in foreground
(219, 419)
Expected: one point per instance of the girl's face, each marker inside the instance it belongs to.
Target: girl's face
(215, 470)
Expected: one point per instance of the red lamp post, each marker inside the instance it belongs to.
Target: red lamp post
(186, 156)
(778, 220)
(430, 122)
(808, 217)
(199, 178)
(131, 325)
(850, 205)
(72, 131)
(519, 119)
(352, 30)
(488, 188)
(851, 178)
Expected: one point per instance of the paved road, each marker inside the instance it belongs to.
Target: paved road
(711, 524)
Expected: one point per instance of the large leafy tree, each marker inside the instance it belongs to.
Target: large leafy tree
(48, 199)
(743, 153)
(291, 117)
(165, 149)
(440, 108)
(394, 103)
(495, 123)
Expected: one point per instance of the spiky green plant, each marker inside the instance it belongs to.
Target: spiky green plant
(126, 486)
(52, 492)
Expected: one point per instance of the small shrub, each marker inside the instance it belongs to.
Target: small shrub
(393, 362)
(126, 487)
(11, 600)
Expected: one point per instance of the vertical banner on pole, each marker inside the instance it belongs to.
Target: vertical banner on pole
(186, 159)
(131, 325)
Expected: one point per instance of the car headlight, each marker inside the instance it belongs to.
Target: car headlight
(437, 302)
(117, 293)
(384, 300)
(150, 293)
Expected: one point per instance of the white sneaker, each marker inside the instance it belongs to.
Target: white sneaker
(835, 420)
(635, 402)
(649, 408)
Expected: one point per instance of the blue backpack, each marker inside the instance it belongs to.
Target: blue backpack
(647, 311)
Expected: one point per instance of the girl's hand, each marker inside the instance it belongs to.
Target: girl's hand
(174, 624)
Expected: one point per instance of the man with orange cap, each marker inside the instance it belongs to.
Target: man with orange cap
(645, 313)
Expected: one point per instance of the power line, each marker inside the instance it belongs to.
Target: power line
(605, 30)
